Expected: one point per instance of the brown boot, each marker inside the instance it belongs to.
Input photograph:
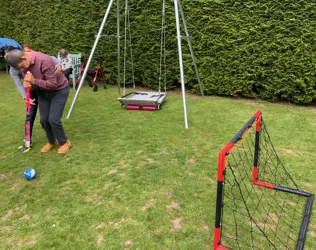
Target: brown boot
(48, 147)
(64, 148)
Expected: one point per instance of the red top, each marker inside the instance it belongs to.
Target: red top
(42, 69)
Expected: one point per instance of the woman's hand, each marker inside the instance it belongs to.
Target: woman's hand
(28, 80)
(32, 101)
(57, 70)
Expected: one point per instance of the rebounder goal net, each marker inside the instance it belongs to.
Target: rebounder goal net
(259, 205)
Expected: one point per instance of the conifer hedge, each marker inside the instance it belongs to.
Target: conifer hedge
(257, 49)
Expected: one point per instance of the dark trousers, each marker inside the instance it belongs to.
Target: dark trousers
(51, 106)
(67, 72)
(33, 111)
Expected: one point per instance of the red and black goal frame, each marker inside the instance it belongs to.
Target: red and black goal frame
(257, 119)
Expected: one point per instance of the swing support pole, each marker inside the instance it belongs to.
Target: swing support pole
(118, 46)
(90, 57)
(176, 11)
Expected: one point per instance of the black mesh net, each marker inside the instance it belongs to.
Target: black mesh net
(257, 217)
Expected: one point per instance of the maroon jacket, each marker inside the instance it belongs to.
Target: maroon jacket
(42, 69)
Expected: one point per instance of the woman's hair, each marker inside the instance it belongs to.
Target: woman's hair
(26, 46)
(63, 53)
(5, 49)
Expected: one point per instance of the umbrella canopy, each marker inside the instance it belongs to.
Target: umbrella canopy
(9, 42)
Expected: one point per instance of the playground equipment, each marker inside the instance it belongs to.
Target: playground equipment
(177, 10)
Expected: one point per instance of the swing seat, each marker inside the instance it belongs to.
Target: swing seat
(143, 100)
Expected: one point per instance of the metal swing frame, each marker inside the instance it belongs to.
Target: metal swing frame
(178, 10)
(136, 100)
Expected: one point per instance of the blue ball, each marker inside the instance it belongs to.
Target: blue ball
(30, 174)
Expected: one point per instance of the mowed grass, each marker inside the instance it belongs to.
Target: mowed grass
(134, 179)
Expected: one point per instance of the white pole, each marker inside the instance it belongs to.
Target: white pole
(125, 46)
(90, 57)
(176, 10)
(118, 47)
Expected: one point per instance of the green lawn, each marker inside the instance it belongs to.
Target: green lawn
(133, 179)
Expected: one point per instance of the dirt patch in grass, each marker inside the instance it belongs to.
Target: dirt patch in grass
(273, 216)
(190, 173)
(173, 205)
(150, 160)
(289, 151)
(99, 240)
(107, 186)
(176, 224)
(312, 225)
(117, 223)
(113, 171)
(101, 225)
(4, 177)
(6, 228)
(95, 197)
(128, 243)
(31, 241)
(147, 205)
(25, 217)
(15, 186)
(86, 170)
(123, 164)
(262, 225)
(310, 185)
(8, 214)
(145, 162)
(228, 235)
(312, 234)
(205, 227)
(48, 214)
(169, 193)
(68, 182)
(291, 203)
(139, 151)
(165, 152)
(190, 161)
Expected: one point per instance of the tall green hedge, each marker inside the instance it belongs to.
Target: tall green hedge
(258, 49)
